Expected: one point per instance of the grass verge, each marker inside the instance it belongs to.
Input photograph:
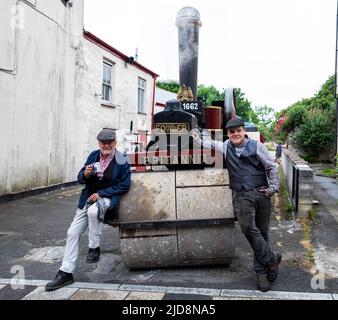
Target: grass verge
(283, 206)
(306, 223)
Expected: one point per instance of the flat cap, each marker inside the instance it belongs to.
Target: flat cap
(106, 135)
(235, 122)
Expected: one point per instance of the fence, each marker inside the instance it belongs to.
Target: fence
(299, 181)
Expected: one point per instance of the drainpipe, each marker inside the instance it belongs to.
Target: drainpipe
(153, 106)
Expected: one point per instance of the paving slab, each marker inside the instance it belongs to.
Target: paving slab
(41, 294)
(90, 294)
(275, 295)
(140, 295)
(8, 293)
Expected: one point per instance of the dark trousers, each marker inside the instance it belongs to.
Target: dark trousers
(253, 211)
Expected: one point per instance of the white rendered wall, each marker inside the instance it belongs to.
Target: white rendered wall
(50, 87)
(124, 107)
(38, 123)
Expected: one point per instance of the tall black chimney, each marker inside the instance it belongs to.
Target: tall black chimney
(188, 23)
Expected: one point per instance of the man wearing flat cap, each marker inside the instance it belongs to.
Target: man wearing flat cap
(106, 176)
(253, 179)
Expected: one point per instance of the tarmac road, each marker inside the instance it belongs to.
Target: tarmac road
(33, 233)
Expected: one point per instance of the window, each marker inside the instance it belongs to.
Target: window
(106, 83)
(141, 94)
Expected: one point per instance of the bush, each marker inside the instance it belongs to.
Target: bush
(316, 134)
(294, 117)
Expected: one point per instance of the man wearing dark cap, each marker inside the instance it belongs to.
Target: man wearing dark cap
(106, 176)
(253, 179)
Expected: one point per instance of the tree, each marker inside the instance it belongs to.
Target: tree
(169, 85)
(316, 134)
(209, 93)
(265, 115)
(243, 106)
(311, 122)
(295, 116)
(324, 98)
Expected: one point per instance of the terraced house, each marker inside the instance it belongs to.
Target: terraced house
(59, 85)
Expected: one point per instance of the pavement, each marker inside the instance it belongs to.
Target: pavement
(33, 234)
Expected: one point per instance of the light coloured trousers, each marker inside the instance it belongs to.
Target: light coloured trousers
(83, 218)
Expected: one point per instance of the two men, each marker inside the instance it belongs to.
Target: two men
(106, 176)
(253, 179)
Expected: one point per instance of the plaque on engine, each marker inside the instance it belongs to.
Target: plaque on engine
(172, 127)
(194, 106)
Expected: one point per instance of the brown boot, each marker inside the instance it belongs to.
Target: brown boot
(262, 282)
(273, 269)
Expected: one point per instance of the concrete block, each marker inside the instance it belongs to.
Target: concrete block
(149, 252)
(151, 197)
(204, 203)
(205, 177)
(97, 286)
(306, 180)
(92, 294)
(40, 294)
(145, 296)
(206, 245)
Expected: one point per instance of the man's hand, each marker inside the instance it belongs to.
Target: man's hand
(88, 171)
(195, 135)
(93, 198)
(267, 192)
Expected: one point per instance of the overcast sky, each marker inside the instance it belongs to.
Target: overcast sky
(276, 51)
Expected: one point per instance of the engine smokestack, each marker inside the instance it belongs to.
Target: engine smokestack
(188, 23)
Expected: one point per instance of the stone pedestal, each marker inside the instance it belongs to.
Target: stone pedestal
(175, 196)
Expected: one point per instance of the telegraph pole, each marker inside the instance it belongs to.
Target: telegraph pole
(336, 89)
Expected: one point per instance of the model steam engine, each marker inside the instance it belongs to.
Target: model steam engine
(172, 127)
(166, 218)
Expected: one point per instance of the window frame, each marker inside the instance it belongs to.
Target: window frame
(141, 89)
(106, 84)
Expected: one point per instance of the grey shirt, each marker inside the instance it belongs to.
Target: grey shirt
(263, 155)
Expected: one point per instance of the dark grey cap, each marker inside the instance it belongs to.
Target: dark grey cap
(235, 122)
(106, 135)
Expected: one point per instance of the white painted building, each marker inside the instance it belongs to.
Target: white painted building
(127, 101)
(52, 77)
(161, 97)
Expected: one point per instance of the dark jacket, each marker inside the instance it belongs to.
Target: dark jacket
(119, 184)
(245, 172)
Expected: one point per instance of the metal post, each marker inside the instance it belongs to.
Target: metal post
(336, 84)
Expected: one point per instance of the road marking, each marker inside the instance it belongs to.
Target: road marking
(280, 295)
(138, 289)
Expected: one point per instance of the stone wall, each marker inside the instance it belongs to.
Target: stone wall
(299, 181)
